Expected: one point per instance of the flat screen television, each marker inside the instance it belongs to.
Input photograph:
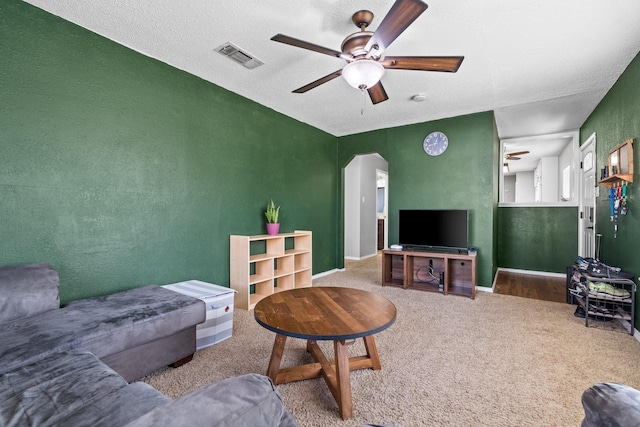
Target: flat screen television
(434, 228)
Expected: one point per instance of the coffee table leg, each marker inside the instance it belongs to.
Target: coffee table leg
(276, 357)
(372, 352)
(343, 379)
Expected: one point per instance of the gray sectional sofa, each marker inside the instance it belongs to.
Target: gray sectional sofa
(72, 365)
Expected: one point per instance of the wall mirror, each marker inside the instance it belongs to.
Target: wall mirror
(540, 170)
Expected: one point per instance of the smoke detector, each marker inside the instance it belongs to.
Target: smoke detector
(419, 97)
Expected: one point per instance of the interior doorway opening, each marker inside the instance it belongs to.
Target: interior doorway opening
(366, 184)
(382, 201)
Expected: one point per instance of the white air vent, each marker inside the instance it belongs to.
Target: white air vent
(241, 57)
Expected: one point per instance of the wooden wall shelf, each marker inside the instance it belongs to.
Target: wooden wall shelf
(620, 165)
(616, 180)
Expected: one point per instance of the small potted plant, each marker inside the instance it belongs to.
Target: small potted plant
(272, 218)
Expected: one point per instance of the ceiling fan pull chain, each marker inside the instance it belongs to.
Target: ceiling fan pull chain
(364, 102)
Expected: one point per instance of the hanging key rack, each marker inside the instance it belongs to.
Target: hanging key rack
(617, 175)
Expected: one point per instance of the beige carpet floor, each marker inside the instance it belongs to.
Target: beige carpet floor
(497, 360)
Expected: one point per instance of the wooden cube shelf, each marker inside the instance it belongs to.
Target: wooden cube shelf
(269, 264)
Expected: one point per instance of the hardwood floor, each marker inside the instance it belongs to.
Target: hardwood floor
(534, 286)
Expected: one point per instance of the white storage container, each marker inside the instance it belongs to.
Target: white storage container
(219, 301)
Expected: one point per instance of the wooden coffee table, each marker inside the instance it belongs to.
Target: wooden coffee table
(325, 313)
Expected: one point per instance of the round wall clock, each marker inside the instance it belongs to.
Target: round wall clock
(435, 143)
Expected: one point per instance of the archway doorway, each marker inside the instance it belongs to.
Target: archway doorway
(361, 205)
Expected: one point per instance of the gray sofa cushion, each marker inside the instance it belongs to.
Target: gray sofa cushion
(45, 391)
(611, 405)
(26, 290)
(245, 401)
(103, 325)
(117, 408)
(72, 388)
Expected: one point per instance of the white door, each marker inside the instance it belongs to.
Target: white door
(587, 208)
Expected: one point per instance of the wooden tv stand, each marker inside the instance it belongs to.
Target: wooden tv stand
(418, 269)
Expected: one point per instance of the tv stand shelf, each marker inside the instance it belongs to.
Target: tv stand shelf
(446, 272)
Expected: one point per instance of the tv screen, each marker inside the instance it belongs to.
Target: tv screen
(434, 228)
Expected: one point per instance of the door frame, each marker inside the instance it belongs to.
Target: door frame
(385, 212)
(589, 144)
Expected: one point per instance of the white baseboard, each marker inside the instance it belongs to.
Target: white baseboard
(352, 258)
(326, 273)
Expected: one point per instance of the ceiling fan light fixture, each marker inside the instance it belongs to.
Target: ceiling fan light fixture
(363, 74)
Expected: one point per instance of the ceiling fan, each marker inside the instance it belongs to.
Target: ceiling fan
(514, 156)
(363, 51)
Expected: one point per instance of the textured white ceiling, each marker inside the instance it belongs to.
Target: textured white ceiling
(541, 65)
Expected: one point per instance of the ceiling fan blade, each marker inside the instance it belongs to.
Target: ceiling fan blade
(377, 93)
(517, 153)
(318, 82)
(399, 17)
(423, 63)
(513, 158)
(310, 46)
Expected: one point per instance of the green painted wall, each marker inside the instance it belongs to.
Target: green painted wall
(616, 119)
(537, 238)
(122, 171)
(461, 178)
